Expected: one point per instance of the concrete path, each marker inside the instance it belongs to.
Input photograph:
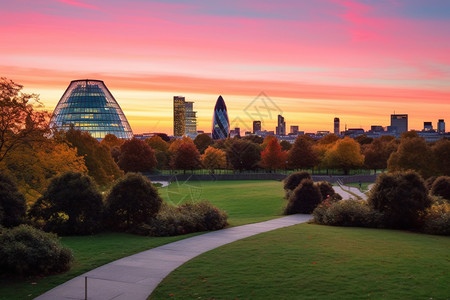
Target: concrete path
(135, 277)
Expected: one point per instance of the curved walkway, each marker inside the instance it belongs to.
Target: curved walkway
(136, 276)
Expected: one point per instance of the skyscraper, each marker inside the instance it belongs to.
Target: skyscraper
(256, 126)
(89, 106)
(179, 116)
(281, 128)
(190, 119)
(220, 124)
(294, 129)
(441, 126)
(399, 123)
(337, 129)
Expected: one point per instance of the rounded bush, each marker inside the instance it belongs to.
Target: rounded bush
(26, 251)
(12, 203)
(133, 200)
(326, 189)
(72, 204)
(401, 197)
(294, 179)
(437, 219)
(441, 187)
(304, 198)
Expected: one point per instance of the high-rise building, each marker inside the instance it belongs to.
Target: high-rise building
(294, 129)
(221, 124)
(399, 123)
(179, 116)
(441, 126)
(256, 126)
(89, 106)
(281, 128)
(427, 126)
(190, 124)
(337, 129)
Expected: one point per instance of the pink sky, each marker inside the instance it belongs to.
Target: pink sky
(357, 60)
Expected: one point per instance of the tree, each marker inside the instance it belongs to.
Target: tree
(161, 149)
(441, 187)
(97, 158)
(363, 139)
(376, 154)
(133, 200)
(254, 139)
(136, 156)
(441, 153)
(285, 145)
(273, 157)
(111, 140)
(214, 159)
(413, 153)
(12, 203)
(345, 155)
(304, 198)
(243, 154)
(20, 123)
(401, 197)
(186, 157)
(301, 155)
(72, 204)
(329, 139)
(202, 142)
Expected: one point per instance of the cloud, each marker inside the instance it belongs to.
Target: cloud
(78, 4)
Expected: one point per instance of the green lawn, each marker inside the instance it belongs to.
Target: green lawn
(317, 262)
(364, 185)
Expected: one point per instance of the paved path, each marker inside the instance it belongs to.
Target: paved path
(135, 277)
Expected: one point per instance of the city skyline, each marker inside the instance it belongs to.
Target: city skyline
(360, 61)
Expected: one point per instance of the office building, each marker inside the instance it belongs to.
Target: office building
(256, 126)
(190, 124)
(221, 124)
(89, 106)
(441, 126)
(179, 116)
(399, 123)
(336, 126)
(427, 126)
(281, 128)
(294, 129)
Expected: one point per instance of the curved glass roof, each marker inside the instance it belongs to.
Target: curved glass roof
(89, 106)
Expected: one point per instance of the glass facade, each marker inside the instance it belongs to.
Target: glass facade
(89, 106)
(221, 124)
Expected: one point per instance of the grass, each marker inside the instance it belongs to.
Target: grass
(317, 262)
(364, 185)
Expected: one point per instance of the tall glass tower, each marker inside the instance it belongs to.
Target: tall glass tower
(221, 124)
(89, 106)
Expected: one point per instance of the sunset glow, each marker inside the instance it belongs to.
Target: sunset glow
(316, 60)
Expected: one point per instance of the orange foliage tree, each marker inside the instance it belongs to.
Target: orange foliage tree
(214, 159)
(273, 157)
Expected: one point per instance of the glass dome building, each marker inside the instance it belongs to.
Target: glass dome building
(89, 106)
(221, 124)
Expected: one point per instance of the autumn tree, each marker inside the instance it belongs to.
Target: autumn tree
(243, 154)
(186, 157)
(202, 142)
(254, 139)
(214, 159)
(285, 145)
(111, 140)
(376, 154)
(302, 155)
(344, 155)
(272, 157)
(21, 124)
(161, 149)
(363, 139)
(441, 153)
(136, 156)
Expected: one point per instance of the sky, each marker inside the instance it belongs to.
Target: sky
(310, 61)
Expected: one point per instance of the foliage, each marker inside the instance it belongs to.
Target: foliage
(111, 140)
(441, 153)
(214, 159)
(294, 180)
(186, 218)
(272, 157)
(133, 200)
(243, 154)
(345, 155)
(202, 142)
(302, 155)
(437, 219)
(285, 145)
(26, 251)
(304, 199)
(326, 189)
(401, 197)
(161, 149)
(21, 124)
(186, 157)
(12, 203)
(254, 139)
(441, 187)
(72, 204)
(429, 182)
(98, 159)
(354, 213)
(136, 156)
(376, 154)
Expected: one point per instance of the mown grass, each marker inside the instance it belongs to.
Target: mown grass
(364, 185)
(317, 262)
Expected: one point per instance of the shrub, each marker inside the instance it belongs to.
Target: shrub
(429, 182)
(72, 204)
(401, 197)
(133, 200)
(186, 218)
(441, 187)
(293, 181)
(26, 251)
(304, 198)
(12, 203)
(346, 213)
(326, 189)
(437, 219)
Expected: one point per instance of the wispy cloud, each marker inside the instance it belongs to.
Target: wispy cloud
(78, 4)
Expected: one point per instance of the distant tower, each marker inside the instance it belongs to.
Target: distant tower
(281, 128)
(294, 129)
(427, 126)
(190, 123)
(441, 126)
(179, 116)
(256, 126)
(399, 123)
(221, 124)
(336, 126)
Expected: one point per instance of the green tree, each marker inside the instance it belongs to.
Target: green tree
(243, 154)
(136, 156)
(12, 203)
(302, 155)
(161, 149)
(345, 155)
(202, 142)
